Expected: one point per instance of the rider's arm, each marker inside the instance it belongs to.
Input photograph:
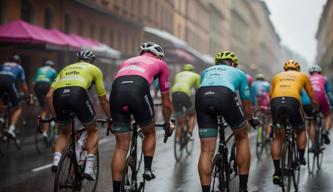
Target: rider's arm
(165, 96)
(197, 82)
(245, 96)
(328, 89)
(309, 91)
(101, 92)
(49, 98)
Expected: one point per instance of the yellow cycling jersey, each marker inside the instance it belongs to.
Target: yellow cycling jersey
(290, 84)
(80, 74)
(185, 81)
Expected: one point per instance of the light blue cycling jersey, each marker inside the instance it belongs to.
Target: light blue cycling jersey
(45, 74)
(12, 69)
(305, 98)
(230, 77)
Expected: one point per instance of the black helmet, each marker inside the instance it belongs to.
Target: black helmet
(15, 58)
(86, 55)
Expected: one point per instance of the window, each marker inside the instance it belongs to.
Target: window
(48, 18)
(111, 39)
(26, 11)
(2, 11)
(68, 23)
(92, 31)
(101, 35)
(80, 26)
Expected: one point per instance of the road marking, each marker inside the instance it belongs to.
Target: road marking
(42, 167)
(102, 141)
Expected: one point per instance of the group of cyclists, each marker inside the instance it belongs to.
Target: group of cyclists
(220, 90)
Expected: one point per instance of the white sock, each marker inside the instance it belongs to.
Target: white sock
(12, 128)
(90, 160)
(56, 158)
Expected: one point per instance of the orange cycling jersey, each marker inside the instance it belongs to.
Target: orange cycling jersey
(290, 84)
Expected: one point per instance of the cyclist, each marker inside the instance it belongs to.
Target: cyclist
(323, 92)
(130, 95)
(9, 72)
(260, 89)
(217, 96)
(285, 101)
(68, 94)
(184, 82)
(44, 76)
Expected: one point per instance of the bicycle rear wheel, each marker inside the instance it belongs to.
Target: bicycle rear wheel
(311, 158)
(260, 142)
(128, 183)
(220, 175)
(66, 179)
(286, 169)
(178, 146)
(189, 141)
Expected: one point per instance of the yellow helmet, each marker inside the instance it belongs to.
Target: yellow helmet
(291, 65)
(188, 67)
(226, 55)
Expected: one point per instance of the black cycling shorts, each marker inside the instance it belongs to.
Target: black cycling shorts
(211, 101)
(41, 89)
(75, 100)
(308, 110)
(287, 107)
(180, 102)
(130, 95)
(7, 85)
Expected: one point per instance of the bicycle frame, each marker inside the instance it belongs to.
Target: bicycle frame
(133, 154)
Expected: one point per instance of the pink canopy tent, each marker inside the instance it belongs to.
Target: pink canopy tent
(85, 42)
(70, 41)
(22, 32)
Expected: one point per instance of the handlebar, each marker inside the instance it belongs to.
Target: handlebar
(166, 128)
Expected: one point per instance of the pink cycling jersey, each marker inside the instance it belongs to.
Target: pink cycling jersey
(148, 67)
(318, 83)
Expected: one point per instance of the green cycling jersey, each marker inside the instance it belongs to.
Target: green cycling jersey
(45, 74)
(80, 74)
(185, 81)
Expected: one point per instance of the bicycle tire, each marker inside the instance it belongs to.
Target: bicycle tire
(296, 165)
(66, 164)
(177, 146)
(127, 183)
(189, 141)
(259, 142)
(19, 131)
(286, 169)
(310, 157)
(220, 175)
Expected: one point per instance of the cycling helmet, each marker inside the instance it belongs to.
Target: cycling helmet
(291, 64)
(86, 55)
(260, 76)
(226, 55)
(153, 48)
(188, 67)
(49, 63)
(314, 68)
(15, 58)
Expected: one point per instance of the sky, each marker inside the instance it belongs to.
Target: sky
(296, 21)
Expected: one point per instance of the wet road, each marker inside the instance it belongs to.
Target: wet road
(27, 171)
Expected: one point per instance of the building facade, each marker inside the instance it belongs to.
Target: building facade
(324, 37)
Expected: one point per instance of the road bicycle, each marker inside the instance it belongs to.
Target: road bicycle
(262, 139)
(130, 181)
(290, 166)
(5, 138)
(224, 167)
(43, 143)
(316, 157)
(182, 141)
(70, 171)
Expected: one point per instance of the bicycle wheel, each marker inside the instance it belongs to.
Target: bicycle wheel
(296, 165)
(66, 179)
(320, 153)
(178, 146)
(286, 168)
(220, 175)
(19, 131)
(310, 158)
(259, 143)
(189, 141)
(90, 186)
(233, 170)
(128, 183)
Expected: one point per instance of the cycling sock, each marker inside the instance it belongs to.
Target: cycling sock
(301, 153)
(116, 186)
(205, 188)
(12, 128)
(148, 161)
(243, 182)
(277, 166)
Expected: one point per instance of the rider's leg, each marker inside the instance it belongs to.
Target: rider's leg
(312, 126)
(180, 122)
(243, 156)
(191, 122)
(60, 144)
(43, 114)
(92, 139)
(149, 144)
(119, 158)
(328, 126)
(205, 161)
(16, 114)
(276, 149)
(301, 143)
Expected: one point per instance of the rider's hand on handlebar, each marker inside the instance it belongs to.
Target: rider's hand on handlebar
(254, 122)
(168, 128)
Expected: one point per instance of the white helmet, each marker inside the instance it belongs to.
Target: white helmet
(315, 68)
(153, 48)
